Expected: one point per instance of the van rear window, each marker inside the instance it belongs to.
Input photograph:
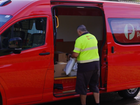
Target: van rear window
(125, 31)
(4, 19)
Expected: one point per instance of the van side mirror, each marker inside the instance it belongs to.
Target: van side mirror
(15, 44)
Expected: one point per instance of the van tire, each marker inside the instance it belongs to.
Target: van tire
(129, 93)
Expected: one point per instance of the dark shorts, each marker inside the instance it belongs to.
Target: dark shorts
(89, 77)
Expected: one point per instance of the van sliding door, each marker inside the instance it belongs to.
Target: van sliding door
(123, 48)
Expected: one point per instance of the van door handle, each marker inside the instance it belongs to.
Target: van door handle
(112, 49)
(47, 53)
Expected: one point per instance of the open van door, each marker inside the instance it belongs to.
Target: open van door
(123, 49)
(71, 14)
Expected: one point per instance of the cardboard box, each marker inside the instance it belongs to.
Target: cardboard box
(59, 69)
(66, 47)
(60, 56)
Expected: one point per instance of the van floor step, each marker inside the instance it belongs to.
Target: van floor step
(65, 94)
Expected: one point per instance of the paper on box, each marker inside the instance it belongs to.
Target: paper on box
(73, 73)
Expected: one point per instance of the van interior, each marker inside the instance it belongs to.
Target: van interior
(66, 21)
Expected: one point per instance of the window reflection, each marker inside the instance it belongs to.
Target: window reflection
(125, 31)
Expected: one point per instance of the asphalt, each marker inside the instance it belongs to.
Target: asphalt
(106, 99)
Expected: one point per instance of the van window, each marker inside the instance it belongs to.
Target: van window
(31, 31)
(125, 31)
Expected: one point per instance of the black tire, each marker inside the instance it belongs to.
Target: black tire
(129, 93)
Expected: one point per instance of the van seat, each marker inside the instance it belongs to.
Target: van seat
(37, 39)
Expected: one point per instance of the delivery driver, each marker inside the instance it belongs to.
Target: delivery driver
(86, 52)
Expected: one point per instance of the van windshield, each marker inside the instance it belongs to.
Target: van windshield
(4, 19)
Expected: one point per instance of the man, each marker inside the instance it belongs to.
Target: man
(86, 52)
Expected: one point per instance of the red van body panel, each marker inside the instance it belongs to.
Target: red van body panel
(28, 78)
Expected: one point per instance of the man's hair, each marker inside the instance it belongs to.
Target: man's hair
(82, 28)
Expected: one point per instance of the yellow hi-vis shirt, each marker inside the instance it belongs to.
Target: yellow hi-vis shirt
(86, 46)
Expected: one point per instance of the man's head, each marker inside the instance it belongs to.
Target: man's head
(81, 29)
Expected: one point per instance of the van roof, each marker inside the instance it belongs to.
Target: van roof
(16, 6)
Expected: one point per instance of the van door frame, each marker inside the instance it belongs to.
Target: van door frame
(104, 33)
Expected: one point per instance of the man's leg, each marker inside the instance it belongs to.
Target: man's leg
(96, 97)
(83, 99)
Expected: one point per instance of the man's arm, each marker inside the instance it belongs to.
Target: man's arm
(77, 49)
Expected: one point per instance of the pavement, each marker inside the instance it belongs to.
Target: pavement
(105, 98)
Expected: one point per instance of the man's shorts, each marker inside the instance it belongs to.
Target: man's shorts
(85, 78)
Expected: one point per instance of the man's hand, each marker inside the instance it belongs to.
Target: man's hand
(74, 55)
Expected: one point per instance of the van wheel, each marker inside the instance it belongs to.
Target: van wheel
(129, 93)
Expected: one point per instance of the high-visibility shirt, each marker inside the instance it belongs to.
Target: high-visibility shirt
(86, 46)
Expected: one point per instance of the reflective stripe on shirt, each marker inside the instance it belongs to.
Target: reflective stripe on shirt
(86, 49)
(77, 49)
(91, 48)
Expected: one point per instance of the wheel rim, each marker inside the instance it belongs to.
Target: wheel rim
(132, 91)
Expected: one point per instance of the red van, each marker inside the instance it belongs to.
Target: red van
(35, 36)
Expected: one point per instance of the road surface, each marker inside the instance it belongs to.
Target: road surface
(106, 99)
